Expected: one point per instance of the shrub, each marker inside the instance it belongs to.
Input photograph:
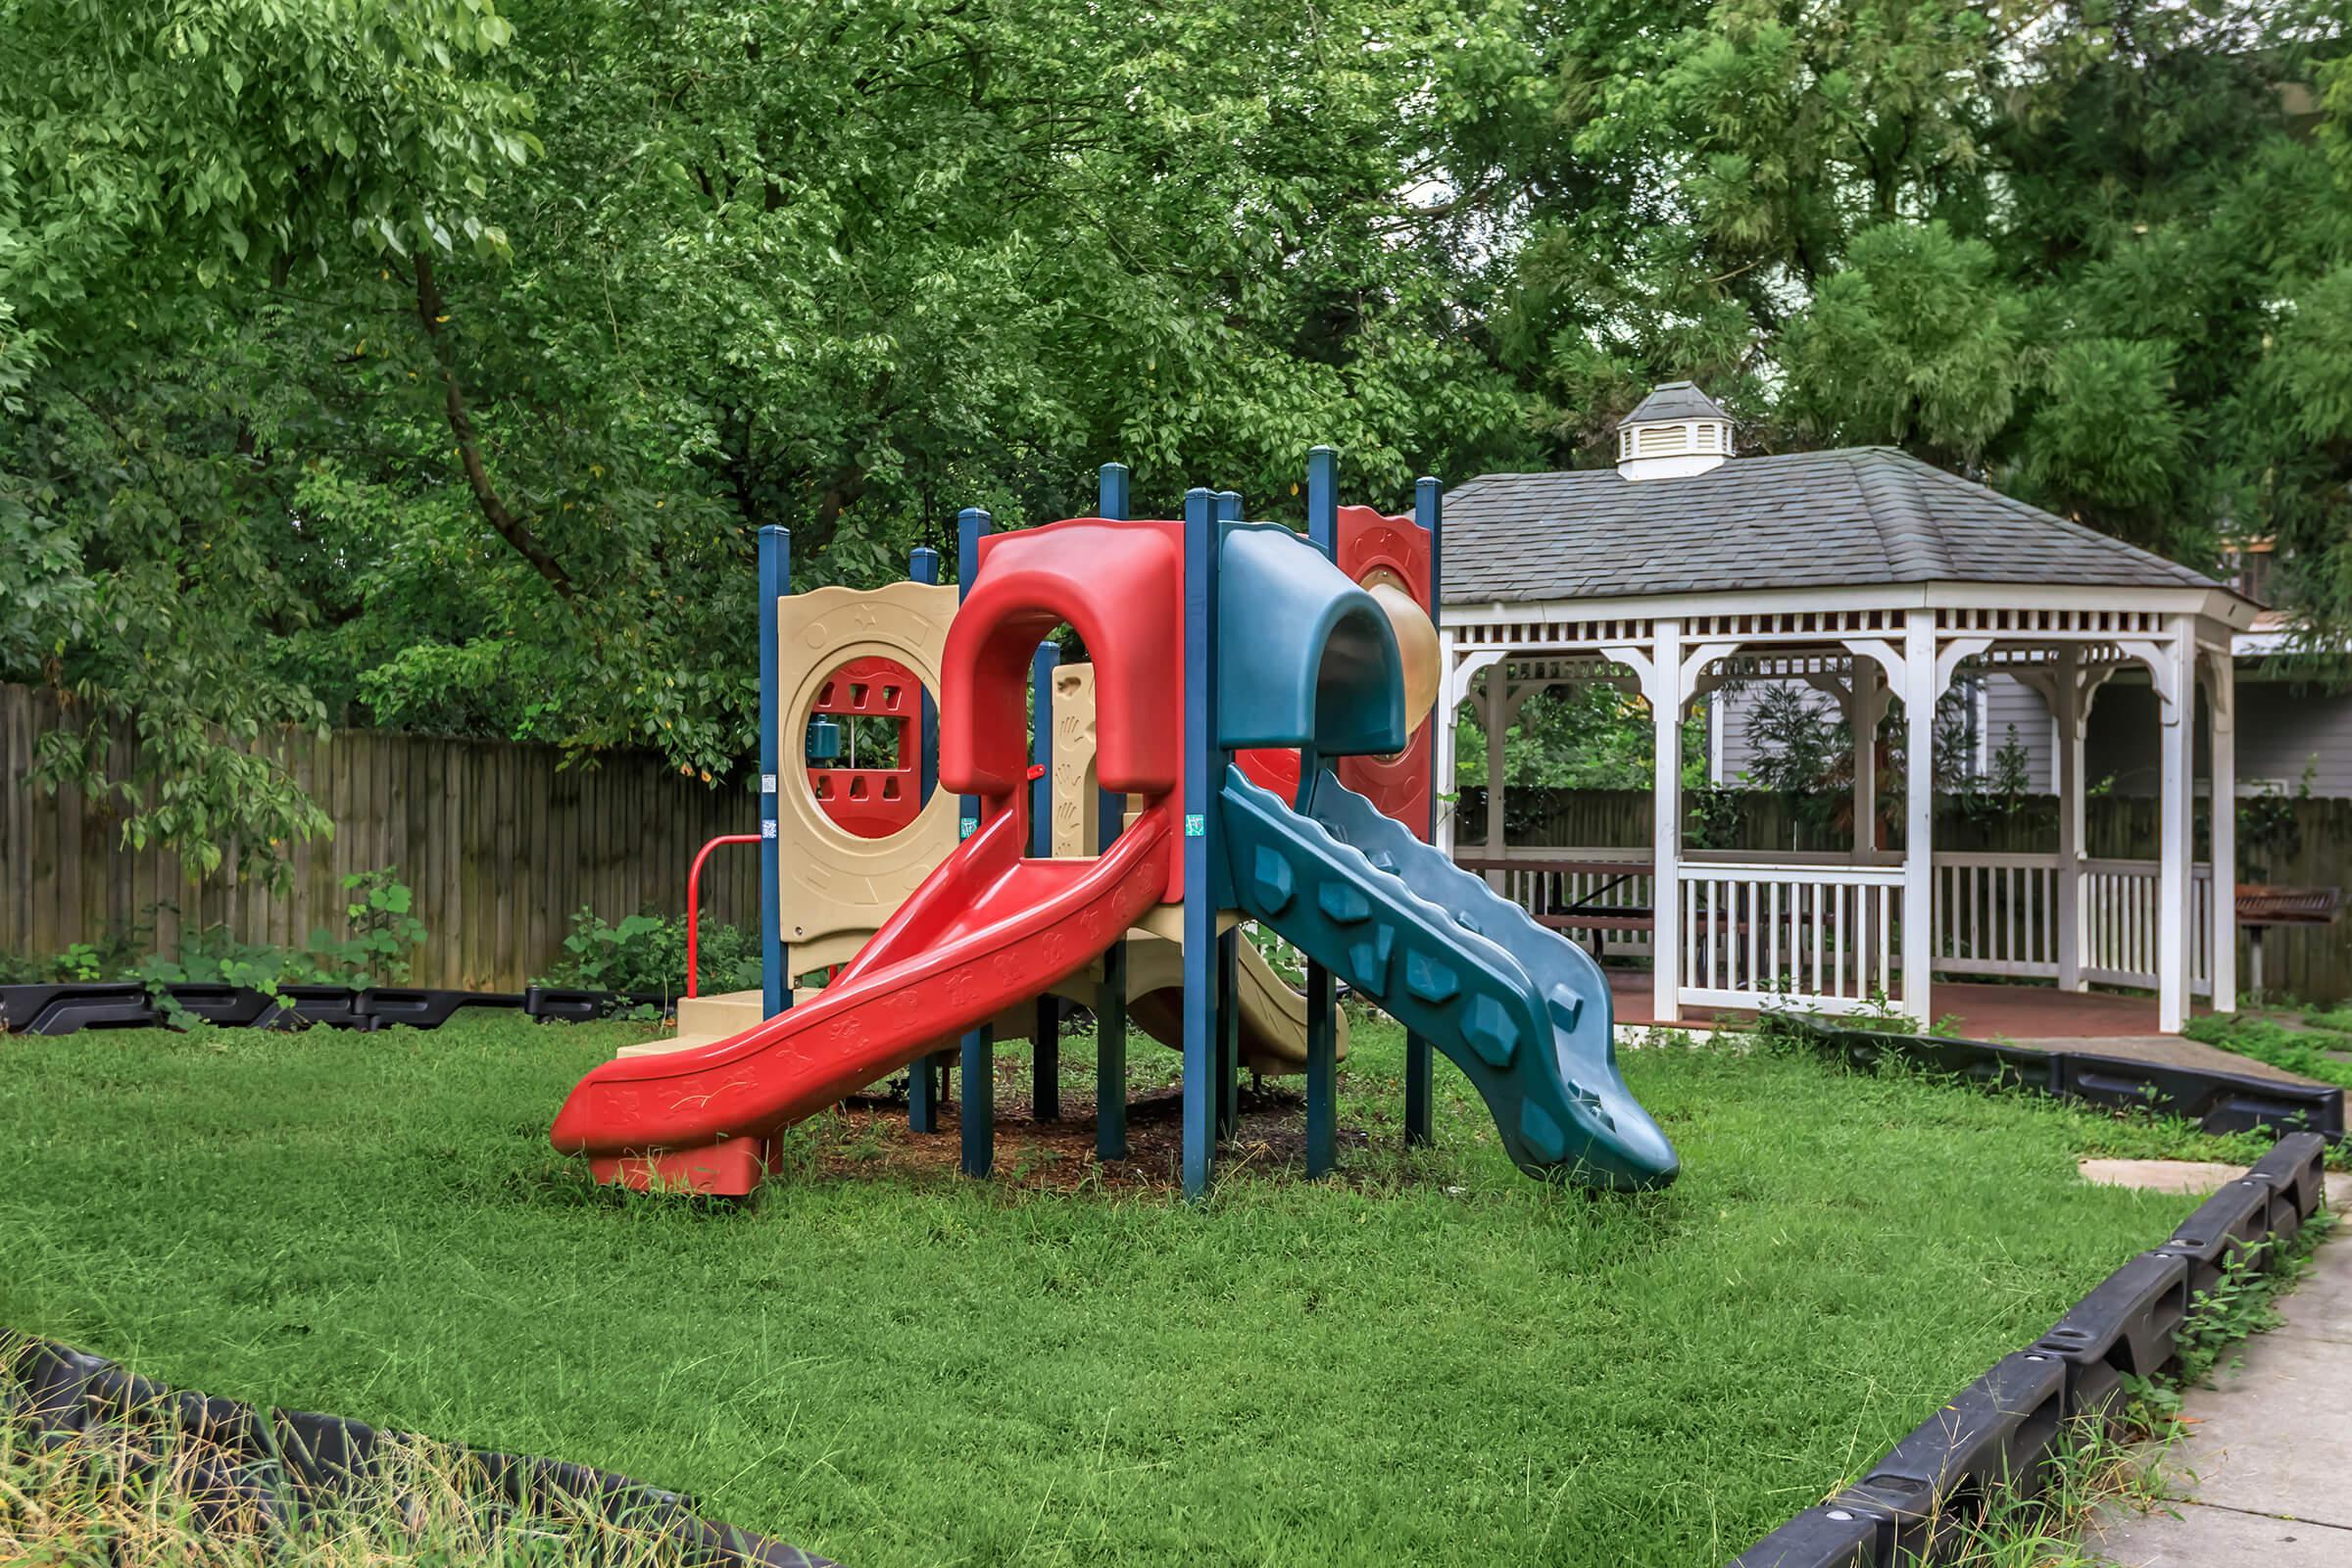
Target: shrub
(382, 931)
(647, 952)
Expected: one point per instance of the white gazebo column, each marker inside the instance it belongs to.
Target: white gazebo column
(1662, 685)
(1865, 708)
(1460, 669)
(1496, 714)
(2066, 696)
(2173, 669)
(2223, 672)
(1921, 685)
(1443, 746)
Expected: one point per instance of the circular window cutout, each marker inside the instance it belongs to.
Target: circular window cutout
(863, 747)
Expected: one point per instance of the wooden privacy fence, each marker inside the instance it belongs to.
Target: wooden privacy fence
(2290, 843)
(500, 842)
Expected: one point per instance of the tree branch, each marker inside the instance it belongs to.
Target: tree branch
(431, 312)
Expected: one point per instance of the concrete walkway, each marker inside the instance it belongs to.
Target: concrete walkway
(2265, 1473)
(2168, 1051)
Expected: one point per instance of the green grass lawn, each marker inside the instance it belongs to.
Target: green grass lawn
(2316, 1044)
(889, 1365)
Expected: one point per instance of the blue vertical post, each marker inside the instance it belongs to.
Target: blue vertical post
(977, 1104)
(775, 581)
(1203, 774)
(1420, 1087)
(924, 1078)
(1322, 993)
(1228, 944)
(1045, 1031)
(1110, 997)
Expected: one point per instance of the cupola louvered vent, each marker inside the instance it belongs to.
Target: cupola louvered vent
(1677, 431)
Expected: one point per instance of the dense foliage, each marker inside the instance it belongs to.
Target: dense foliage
(1583, 735)
(434, 363)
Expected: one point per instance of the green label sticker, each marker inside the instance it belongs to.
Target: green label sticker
(965, 827)
(1195, 825)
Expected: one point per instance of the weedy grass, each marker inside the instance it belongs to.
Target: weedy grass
(143, 1491)
(1431, 1356)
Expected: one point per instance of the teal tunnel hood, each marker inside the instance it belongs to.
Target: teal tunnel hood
(1306, 657)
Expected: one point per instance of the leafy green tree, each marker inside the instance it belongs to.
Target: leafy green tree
(352, 399)
(436, 363)
(1579, 736)
(172, 171)
(2083, 250)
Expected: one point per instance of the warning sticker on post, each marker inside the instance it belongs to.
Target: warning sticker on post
(1195, 825)
(767, 827)
(966, 826)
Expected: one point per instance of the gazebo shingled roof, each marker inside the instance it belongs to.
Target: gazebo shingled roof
(1854, 517)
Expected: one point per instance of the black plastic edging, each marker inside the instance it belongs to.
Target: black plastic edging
(559, 1004)
(2127, 1327)
(1998, 1436)
(2296, 1171)
(1828, 1537)
(1996, 1432)
(2224, 1227)
(279, 1462)
(63, 1009)
(60, 1009)
(2217, 1101)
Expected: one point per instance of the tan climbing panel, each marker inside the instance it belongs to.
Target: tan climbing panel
(837, 889)
(1077, 796)
(1075, 793)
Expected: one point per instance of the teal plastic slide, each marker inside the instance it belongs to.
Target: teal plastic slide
(1522, 1011)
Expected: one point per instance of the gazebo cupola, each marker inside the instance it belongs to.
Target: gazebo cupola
(1676, 431)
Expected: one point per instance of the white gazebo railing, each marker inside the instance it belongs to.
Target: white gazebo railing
(1819, 937)
(1764, 928)
(1998, 915)
(1601, 885)
(2120, 924)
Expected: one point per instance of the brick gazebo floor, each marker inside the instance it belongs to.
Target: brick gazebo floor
(2045, 1017)
(1983, 1011)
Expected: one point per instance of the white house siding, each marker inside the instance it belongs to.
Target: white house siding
(2280, 730)
(2010, 703)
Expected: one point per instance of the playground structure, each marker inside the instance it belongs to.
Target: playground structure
(852, 847)
(1276, 659)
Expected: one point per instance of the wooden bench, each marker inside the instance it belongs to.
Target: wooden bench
(1583, 914)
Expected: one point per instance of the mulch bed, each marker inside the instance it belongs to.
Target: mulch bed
(868, 1135)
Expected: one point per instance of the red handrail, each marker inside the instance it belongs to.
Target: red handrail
(694, 896)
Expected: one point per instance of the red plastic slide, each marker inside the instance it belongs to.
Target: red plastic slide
(988, 929)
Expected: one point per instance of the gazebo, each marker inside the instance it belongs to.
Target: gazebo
(1869, 576)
